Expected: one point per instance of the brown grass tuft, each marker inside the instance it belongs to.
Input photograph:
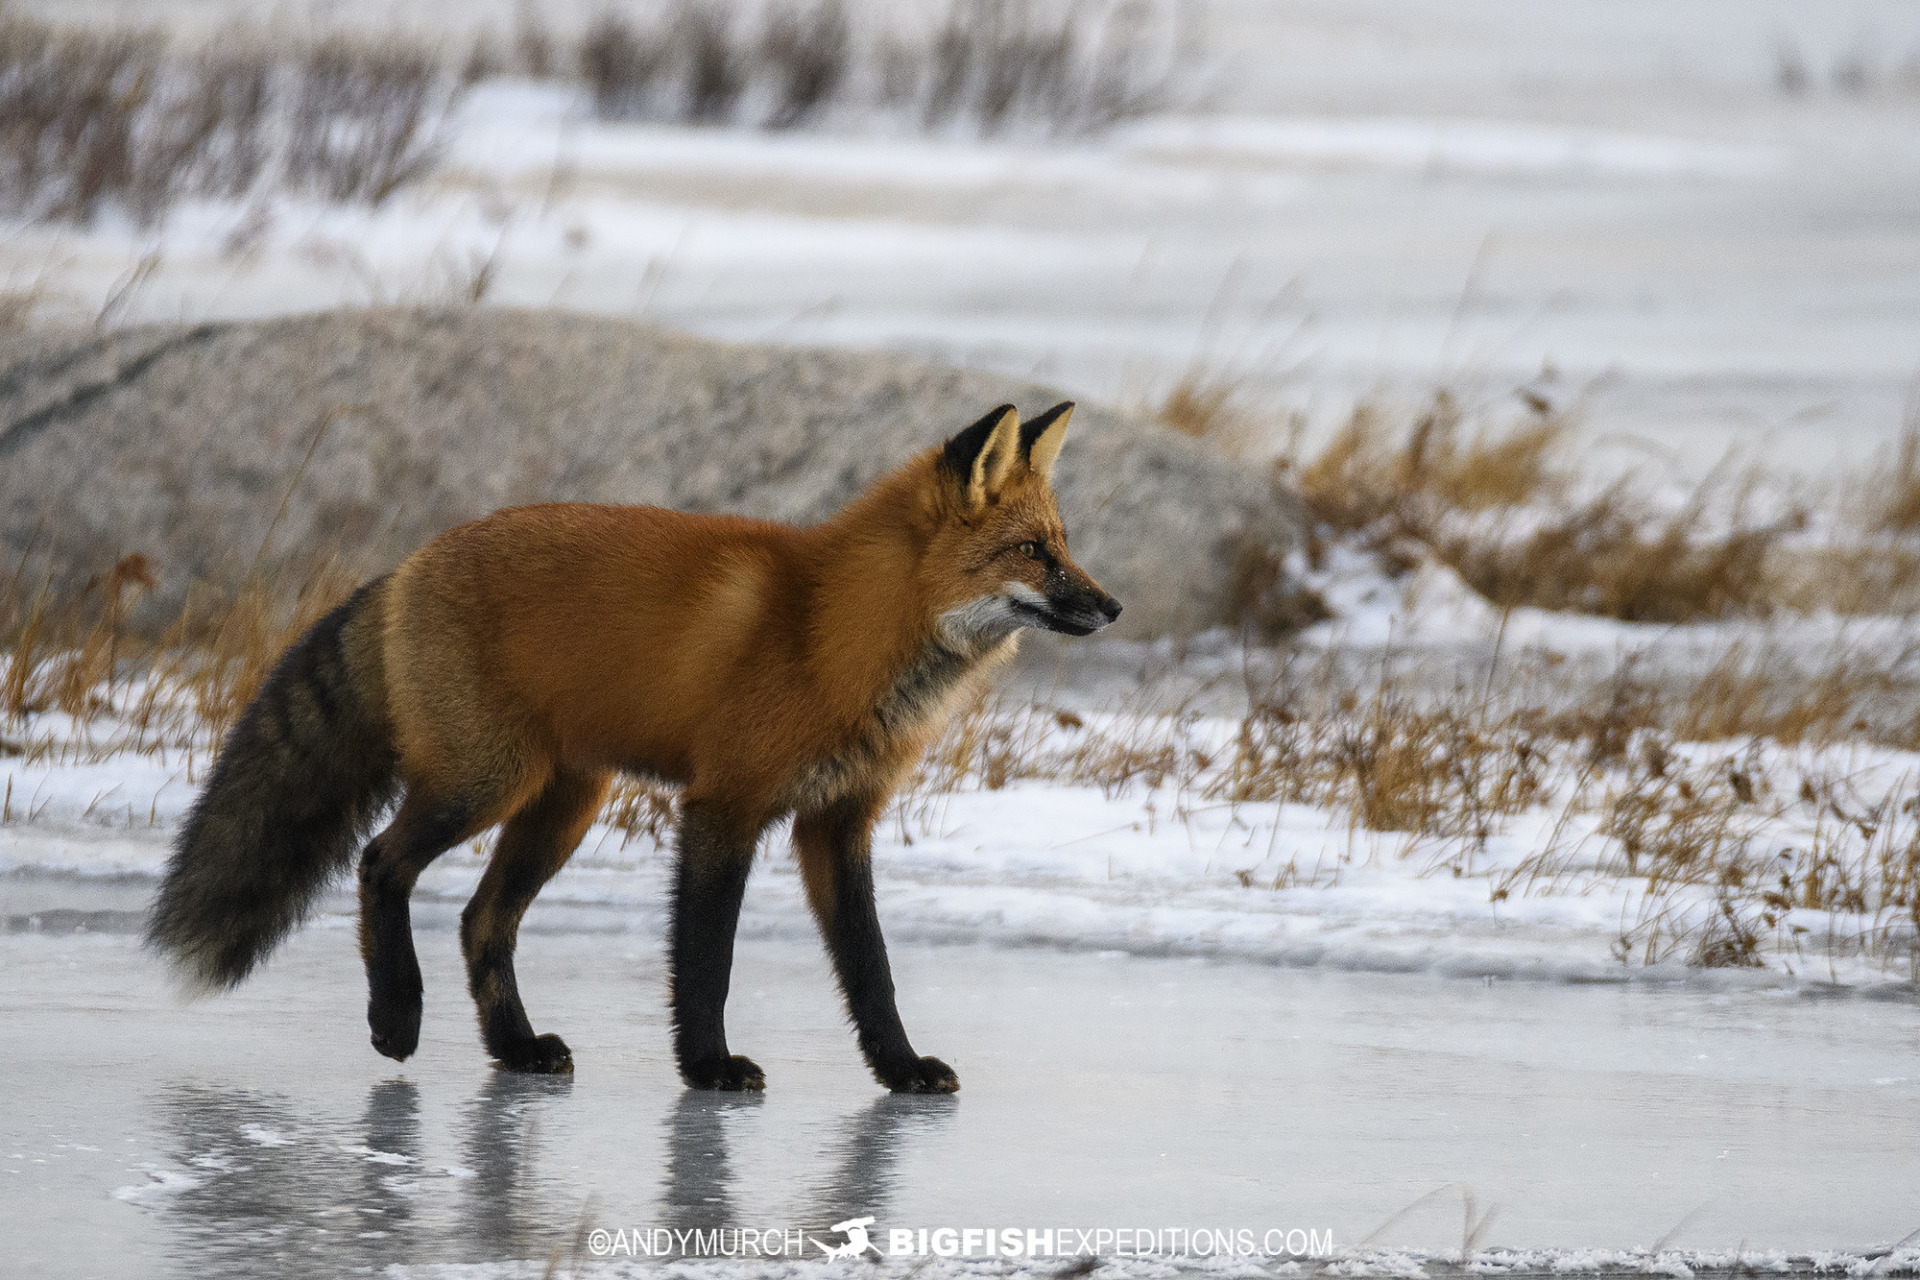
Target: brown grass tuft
(1497, 499)
(1371, 471)
(1609, 557)
(1200, 407)
(1893, 502)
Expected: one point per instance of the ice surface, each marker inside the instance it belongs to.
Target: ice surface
(257, 1133)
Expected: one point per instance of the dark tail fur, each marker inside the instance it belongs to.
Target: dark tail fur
(299, 780)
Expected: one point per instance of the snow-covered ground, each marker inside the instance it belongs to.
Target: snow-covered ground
(1081, 850)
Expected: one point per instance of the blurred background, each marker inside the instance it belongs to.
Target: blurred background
(1702, 220)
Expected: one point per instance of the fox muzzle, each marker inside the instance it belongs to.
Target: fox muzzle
(1079, 612)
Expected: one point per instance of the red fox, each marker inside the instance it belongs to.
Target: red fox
(505, 671)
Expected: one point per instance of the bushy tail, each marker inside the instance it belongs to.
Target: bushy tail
(299, 780)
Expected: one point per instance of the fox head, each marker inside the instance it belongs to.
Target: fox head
(1001, 548)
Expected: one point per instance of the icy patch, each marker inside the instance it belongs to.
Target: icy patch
(163, 1182)
(379, 1157)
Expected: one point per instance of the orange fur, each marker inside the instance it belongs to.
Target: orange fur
(742, 658)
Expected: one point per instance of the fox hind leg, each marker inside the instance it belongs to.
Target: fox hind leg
(423, 829)
(534, 845)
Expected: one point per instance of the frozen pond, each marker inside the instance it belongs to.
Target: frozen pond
(147, 1137)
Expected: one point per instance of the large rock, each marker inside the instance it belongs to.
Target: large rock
(361, 434)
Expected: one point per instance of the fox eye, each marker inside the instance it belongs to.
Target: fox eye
(1031, 550)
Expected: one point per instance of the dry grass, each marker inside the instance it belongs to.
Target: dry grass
(77, 652)
(363, 121)
(96, 119)
(1893, 498)
(987, 67)
(1729, 850)
(1719, 831)
(1612, 557)
(1497, 495)
(1373, 470)
(1616, 554)
(1757, 692)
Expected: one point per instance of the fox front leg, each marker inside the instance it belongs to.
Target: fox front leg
(715, 855)
(836, 858)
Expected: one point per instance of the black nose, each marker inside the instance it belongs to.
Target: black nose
(1110, 607)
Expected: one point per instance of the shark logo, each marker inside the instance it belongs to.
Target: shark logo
(855, 1229)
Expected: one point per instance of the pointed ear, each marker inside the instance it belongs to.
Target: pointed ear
(1040, 439)
(981, 456)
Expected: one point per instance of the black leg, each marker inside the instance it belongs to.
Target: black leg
(534, 845)
(714, 858)
(836, 857)
(392, 862)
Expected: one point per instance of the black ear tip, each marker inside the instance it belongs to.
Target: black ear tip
(1031, 429)
(963, 448)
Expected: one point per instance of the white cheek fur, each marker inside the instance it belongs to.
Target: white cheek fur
(1023, 593)
(989, 618)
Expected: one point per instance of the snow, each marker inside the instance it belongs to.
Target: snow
(1128, 867)
(1437, 146)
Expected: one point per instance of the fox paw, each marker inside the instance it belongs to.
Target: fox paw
(546, 1055)
(733, 1075)
(396, 1032)
(919, 1075)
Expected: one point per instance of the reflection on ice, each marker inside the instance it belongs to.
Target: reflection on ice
(311, 1206)
(508, 1207)
(253, 1180)
(697, 1181)
(870, 1158)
